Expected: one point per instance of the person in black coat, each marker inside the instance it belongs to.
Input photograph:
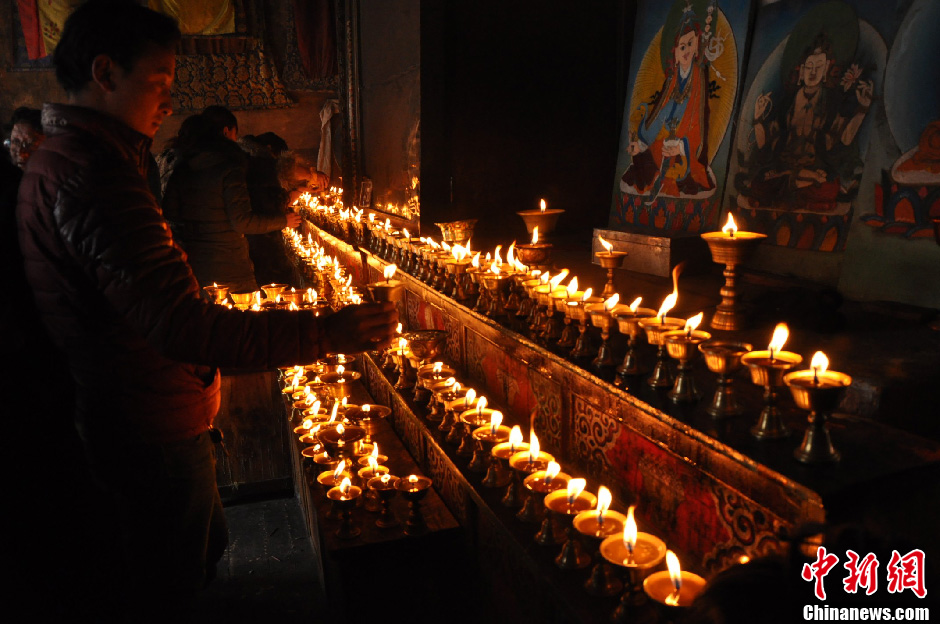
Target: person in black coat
(269, 199)
(208, 205)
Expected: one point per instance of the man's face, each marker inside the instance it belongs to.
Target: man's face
(141, 96)
(686, 49)
(23, 142)
(814, 69)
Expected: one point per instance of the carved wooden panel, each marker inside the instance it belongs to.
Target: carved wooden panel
(546, 411)
(505, 378)
(447, 482)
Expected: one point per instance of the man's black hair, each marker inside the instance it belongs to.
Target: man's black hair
(272, 140)
(218, 118)
(121, 29)
(29, 116)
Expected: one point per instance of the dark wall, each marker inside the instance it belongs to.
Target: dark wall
(520, 101)
(390, 96)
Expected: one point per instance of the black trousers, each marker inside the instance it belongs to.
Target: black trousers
(172, 526)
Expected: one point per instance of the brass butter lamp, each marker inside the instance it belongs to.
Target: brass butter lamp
(731, 248)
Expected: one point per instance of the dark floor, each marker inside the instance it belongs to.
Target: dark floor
(268, 572)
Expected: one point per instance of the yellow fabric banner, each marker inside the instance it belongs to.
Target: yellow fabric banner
(52, 16)
(199, 17)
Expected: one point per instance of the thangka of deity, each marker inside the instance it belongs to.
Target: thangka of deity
(685, 89)
(802, 152)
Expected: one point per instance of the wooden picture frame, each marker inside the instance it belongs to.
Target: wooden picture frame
(365, 193)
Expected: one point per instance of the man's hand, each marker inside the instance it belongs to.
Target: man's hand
(319, 180)
(365, 327)
(293, 219)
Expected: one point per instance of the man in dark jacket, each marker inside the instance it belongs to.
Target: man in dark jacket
(118, 297)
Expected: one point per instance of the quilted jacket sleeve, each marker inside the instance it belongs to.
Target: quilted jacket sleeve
(238, 205)
(122, 243)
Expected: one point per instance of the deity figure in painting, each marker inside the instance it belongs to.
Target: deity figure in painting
(670, 131)
(803, 152)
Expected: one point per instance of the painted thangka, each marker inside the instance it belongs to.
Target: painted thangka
(674, 145)
(907, 196)
(815, 73)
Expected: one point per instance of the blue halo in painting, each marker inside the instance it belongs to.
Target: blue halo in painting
(912, 93)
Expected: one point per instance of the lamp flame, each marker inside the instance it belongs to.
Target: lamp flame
(475, 262)
(510, 254)
(389, 271)
(542, 205)
(575, 487)
(344, 486)
(819, 364)
(611, 302)
(450, 381)
(604, 498)
(496, 418)
(781, 333)
(552, 471)
(307, 423)
(558, 279)
(481, 405)
(675, 575)
(333, 416)
(636, 304)
(730, 227)
(692, 323)
(375, 451)
(340, 429)
(668, 304)
(437, 367)
(515, 438)
(373, 464)
(587, 294)
(606, 245)
(573, 286)
(340, 370)
(533, 446)
(629, 531)
(470, 397)
(535, 235)
(366, 408)
(339, 469)
(670, 301)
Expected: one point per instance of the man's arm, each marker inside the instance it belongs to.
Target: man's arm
(125, 247)
(238, 206)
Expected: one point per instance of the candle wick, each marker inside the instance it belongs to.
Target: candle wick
(771, 355)
(815, 376)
